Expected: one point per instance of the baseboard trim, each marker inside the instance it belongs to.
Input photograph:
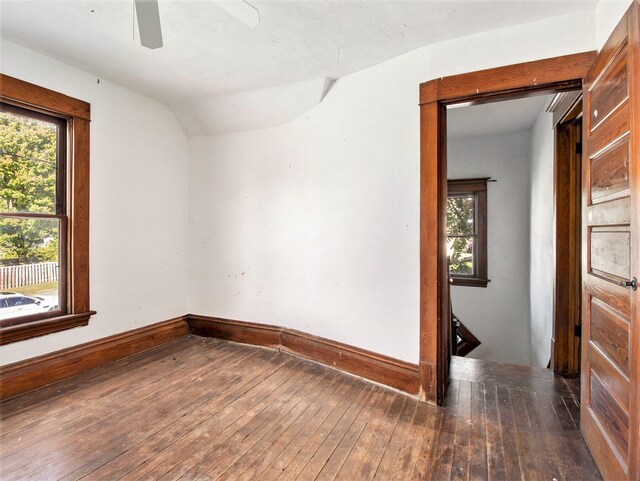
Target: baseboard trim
(386, 370)
(23, 376)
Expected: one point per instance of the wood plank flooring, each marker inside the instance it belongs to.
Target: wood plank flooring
(204, 409)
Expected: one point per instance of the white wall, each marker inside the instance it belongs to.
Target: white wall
(315, 224)
(608, 14)
(345, 176)
(139, 210)
(499, 314)
(542, 239)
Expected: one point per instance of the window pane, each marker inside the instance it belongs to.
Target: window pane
(29, 266)
(28, 167)
(461, 255)
(460, 215)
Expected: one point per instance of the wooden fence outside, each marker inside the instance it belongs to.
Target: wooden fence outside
(26, 274)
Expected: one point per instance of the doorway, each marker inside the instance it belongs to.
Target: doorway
(513, 230)
(610, 347)
(532, 78)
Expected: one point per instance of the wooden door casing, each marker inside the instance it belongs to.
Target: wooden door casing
(502, 83)
(565, 338)
(609, 419)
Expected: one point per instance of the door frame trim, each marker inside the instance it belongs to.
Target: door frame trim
(567, 213)
(501, 83)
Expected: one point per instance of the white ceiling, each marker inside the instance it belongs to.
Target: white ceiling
(496, 117)
(207, 52)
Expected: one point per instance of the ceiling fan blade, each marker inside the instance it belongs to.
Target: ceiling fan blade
(149, 23)
(242, 10)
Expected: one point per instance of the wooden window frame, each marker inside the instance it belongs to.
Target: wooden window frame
(476, 188)
(76, 248)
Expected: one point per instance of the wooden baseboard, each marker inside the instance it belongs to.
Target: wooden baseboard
(23, 376)
(386, 370)
(237, 331)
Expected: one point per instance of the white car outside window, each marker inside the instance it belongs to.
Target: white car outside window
(13, 304)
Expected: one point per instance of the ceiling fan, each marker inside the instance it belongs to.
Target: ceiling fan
(148, 15)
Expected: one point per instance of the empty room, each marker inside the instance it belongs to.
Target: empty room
(320, 240)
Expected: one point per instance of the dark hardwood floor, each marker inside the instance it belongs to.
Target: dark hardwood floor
(207, 409)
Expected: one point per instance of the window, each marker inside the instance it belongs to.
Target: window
(467, 231)
(33, 154)
(44, 215)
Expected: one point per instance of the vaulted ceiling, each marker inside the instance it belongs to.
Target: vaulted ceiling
(208, 52)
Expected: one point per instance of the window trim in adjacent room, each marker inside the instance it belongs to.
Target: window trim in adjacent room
(477, 189)
(75, 251)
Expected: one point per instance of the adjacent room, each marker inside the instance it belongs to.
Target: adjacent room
(492, 150)
(319, 240)
(501, 226)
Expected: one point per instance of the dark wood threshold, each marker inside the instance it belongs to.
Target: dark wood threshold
(376, 367)
(21, 332)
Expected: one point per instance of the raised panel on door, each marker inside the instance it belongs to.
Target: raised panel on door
(610, 197)
(610, 251)
(610, 173)
(610, 334)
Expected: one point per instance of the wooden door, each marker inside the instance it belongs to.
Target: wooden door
(611, 196)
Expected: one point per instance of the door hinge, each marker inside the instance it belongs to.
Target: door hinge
(577, 331)
(579, 148)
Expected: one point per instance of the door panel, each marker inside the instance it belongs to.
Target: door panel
(610, 414)
(611, 128)
(611, 89)
(610, 251)
(610, 334)
(609, 372)
(603, 214)
(615, 381)
(610, 173)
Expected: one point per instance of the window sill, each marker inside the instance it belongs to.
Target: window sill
(29, 330)
(469, 281)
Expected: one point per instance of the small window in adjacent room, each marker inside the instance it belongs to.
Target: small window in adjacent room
(467, 231)
(44, 217)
